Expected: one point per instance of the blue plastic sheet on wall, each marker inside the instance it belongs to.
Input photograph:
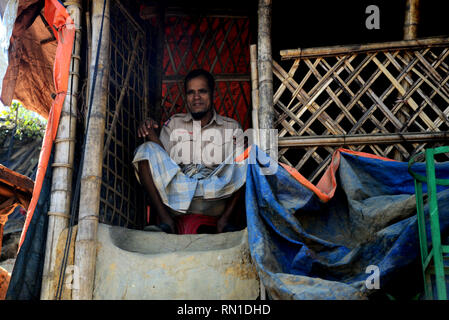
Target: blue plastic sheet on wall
(304, 248)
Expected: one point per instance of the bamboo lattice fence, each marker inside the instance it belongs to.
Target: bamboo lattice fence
(219, 44)
(140, 58)
(122, 198)
(389, 99)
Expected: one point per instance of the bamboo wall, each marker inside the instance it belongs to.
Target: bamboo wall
(389, 99)
(217, 43)
(148, 61)
(122, 198)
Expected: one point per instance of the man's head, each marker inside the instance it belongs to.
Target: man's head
(199, 88)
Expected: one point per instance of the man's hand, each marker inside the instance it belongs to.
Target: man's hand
(147, 129)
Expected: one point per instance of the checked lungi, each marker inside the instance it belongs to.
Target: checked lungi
(194, 188)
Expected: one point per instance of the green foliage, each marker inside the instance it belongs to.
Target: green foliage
(24, 123)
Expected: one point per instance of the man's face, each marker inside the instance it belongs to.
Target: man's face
(198, 96)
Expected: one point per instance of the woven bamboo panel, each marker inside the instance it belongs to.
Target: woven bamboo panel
(219, 45)
(381, 91)
(122, 198)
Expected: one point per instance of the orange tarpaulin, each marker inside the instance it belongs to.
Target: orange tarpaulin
(326, 186)
(64, 31)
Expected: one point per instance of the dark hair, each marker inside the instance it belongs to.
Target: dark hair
(201, 73)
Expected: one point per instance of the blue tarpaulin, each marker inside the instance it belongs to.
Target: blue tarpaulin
(307, 248)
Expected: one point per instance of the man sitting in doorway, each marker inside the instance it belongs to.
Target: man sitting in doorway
(189, 169)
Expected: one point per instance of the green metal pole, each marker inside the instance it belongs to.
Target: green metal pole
(422, 234)
(435, 226)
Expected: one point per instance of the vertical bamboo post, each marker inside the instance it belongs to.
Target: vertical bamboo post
(255, 93)
(410, 33)
(89, 52)
(86, 239)
(411, 19)
(157, 113)
(265, 73)
(61, 189)
(146, 80)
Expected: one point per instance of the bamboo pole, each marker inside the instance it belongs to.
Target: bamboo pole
(146, 79)
(411, 20)
(157, 112)
(218, 78)
(265, 73)
(89, 51)
(61, 189)
(357, 48)
(254, 93)
(86, 238)
(410, 33)
(362, 139)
